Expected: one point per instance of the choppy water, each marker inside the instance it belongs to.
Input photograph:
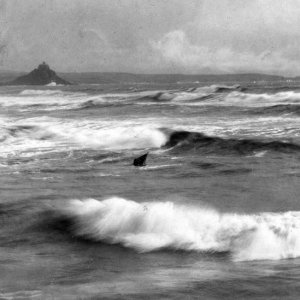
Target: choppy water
(214, 215)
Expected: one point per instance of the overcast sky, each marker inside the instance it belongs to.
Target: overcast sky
(152, 36)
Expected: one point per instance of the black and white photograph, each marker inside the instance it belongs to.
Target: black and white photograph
(150, 149)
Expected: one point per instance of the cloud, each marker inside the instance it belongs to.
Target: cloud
(176, 49)
(151, 36)
(236, 36)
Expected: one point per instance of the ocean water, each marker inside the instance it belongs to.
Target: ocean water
(215, 214)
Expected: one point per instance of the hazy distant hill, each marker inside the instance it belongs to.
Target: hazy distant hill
(163, 78)
(98, 77)
(6, 76)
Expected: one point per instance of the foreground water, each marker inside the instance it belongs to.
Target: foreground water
(214, 215)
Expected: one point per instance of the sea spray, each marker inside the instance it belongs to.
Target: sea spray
(152, 226)
(52, 134)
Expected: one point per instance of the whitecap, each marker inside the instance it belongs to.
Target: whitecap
(150, 226)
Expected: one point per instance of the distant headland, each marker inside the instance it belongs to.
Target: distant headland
(42, 75)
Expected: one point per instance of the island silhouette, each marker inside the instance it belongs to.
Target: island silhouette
(42, 75)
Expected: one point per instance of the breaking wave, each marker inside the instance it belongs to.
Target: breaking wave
(43, 100)
(214, 95)
(200, 93)
(255, 99)
(99, 102)
(152, 226)
(63, 100)
(278, 109)
(222, 96)
(186, 140)
(40, 92)
(92, 104)
(52, 134)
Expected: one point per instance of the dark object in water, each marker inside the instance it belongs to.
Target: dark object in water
(140, 161)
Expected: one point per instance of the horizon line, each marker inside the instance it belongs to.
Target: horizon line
(158, 74)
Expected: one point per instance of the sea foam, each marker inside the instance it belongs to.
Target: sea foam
(258, 100)
(222, 96)
(52, 134)
(40, 92)
(152, 226)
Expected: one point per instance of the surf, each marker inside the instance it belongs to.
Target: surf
(152, 226)
(56, 133)
(184, 141)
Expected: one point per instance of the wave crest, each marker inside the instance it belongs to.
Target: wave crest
(52, 134)
(186, 140)
(256, 99)
(40, 92)
(191, 94)
(155, 225)
(278, 109)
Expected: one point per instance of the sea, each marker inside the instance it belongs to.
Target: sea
(214, 214)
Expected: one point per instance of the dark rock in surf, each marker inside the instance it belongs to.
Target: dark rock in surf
(42, 75)
(140, 161)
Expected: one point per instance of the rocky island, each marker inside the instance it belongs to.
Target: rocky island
(42, 75)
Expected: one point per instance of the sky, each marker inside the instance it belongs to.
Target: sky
(152, 36)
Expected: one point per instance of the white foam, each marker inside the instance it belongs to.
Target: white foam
(60, 134)
(260, 153)
(52, 83)
(50, 100)
(56, 99)
(157, 167)
(151, 226)
(232, 98)
(258, 100)
(46, 100)
(185, 95)
(113, 135)
(40, 92)
(53, 134)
